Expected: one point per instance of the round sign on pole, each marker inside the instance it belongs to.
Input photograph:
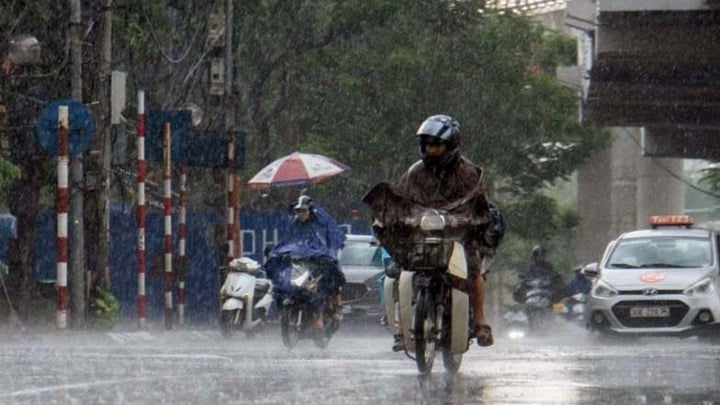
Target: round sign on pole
(82, 127)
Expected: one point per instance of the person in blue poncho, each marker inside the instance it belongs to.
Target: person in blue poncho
(313, 233)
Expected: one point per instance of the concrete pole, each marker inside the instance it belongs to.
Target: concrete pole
(229, 127)
(77, 267)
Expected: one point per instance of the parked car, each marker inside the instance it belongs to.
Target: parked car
(361, 261)
(659, 281)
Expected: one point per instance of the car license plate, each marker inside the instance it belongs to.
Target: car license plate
(649, 312)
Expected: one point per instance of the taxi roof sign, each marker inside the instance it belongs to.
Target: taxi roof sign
(671, 220)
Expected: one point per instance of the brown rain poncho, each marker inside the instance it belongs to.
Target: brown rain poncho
(458, 191)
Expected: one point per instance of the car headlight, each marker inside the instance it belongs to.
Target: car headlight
(603, 290)
(702, 287)
(432, 223)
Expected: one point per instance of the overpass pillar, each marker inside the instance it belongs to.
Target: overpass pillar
(618, 189)
(660, 188)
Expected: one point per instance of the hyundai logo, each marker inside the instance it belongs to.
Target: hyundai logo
(650, 291)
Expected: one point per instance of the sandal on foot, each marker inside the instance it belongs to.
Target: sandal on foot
(484, 336)
(399, 344)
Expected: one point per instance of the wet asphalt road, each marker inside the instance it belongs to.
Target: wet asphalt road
(185, 366)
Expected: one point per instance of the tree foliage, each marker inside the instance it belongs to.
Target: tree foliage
(710, 177)
(353, 79)
(364, 97)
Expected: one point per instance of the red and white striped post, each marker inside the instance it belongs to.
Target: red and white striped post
(230, 198)
(167, 210)
(181, 242)
(62, 216)
(141, 209)
(237, 231)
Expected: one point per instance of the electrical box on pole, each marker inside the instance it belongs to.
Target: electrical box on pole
(216, 31)
(217, 77)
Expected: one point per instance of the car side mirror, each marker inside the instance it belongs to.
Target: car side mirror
(590, 270)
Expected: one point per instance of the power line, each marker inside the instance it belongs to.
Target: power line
(153, 36)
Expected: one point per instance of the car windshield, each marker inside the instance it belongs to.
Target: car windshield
(661, 252)
(361, 254)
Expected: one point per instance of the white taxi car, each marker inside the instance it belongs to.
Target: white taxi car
(658, 281)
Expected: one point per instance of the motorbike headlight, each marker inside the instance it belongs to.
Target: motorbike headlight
(702, 287)
(603, 290)
(432, 223)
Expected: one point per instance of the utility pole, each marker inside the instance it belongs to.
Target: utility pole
(77, 255)
(229, 111)
(229, 107)
(97, 168)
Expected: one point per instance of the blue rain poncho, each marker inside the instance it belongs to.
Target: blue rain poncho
(320, 238)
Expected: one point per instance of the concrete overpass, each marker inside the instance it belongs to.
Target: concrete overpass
(649, 71)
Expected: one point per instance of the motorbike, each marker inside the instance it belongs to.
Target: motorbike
(430, 304)
(245, 296)
(515, 323)
(538, 301)
(572, 309)
(298, 296)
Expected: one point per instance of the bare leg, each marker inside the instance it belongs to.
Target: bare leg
(337, 306)
(483, 332)
(319, 324)
(478, 294)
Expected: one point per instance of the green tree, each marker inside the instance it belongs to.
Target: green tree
(8, 171)
(25, 90)
(353, 79)
(350, 79)
(363, 98)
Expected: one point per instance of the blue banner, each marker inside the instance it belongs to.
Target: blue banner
(205, 247)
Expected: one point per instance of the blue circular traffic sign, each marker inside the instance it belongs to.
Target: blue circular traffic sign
(80, 121)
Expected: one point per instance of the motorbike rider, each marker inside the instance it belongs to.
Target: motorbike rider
(540, 268)
(579, 284)
(313, 227)
(443, 176)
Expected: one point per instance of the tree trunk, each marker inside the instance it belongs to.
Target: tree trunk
(76, 272)
(24, 196)
(23, 203)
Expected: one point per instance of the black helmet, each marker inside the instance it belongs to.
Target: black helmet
(440, 128)
(538, 250)
(303, 202)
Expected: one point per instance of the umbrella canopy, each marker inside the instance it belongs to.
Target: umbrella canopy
(296, 169)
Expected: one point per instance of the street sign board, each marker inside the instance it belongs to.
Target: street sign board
(209, 149)
(81, 127)
(180, 125)
(195, 148)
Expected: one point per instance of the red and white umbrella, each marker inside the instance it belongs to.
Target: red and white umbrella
(296, 169)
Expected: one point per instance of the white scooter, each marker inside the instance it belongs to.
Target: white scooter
(245, 298)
